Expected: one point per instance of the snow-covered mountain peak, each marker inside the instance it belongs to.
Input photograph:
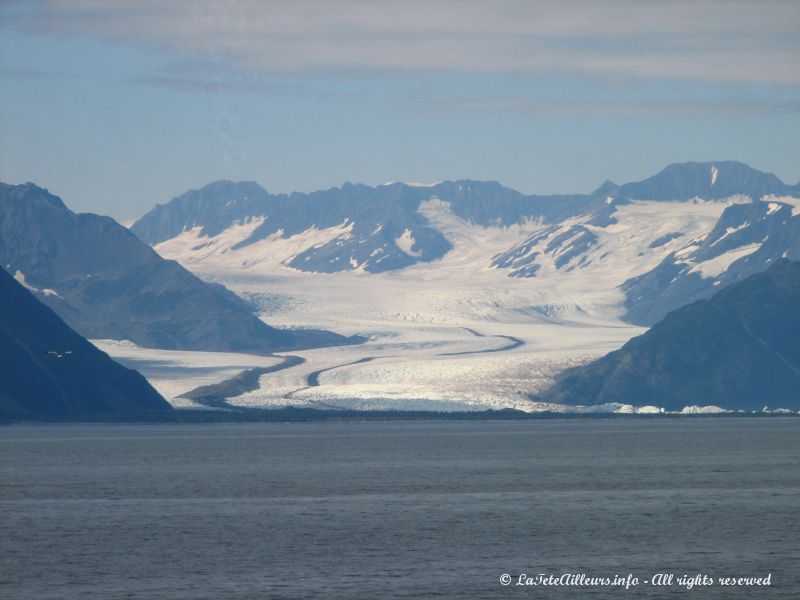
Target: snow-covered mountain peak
(707, 180)
(684, 216)
(745, 239)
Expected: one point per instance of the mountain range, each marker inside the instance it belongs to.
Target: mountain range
(749, 218)
(471, 293)
(106, 283)
(739, 350)
(48, 371)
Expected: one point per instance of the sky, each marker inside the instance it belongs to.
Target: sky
(118, 105)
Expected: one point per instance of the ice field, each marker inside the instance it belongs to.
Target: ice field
(452, 334)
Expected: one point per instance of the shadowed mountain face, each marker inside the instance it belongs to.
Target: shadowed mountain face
(49, 372)
(738, 350)
(711, 181)
(106, 283)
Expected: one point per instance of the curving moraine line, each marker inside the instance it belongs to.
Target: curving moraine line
(216, 394)
(515, 342)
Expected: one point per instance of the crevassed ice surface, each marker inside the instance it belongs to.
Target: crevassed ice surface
(451, 334)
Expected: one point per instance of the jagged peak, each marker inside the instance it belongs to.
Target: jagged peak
(29, 192)
(227, 185)
(606, 187)
(709, 180)
(723, 167)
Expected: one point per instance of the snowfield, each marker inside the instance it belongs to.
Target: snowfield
(451, 334)
(713, 267)
(175, 372)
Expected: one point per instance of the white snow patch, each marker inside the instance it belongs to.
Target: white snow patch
(774, 207)
(610, 407)
(416, 184)
(20, 277)
(638, 410)
(702, 410)
(717, 265)
(274, 252)
(405, 242)
(619, 408)
(790, 200)
(730, 231)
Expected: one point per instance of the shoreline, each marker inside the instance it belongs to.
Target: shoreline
(296, 415)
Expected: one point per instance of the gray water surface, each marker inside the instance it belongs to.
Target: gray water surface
(397, 509)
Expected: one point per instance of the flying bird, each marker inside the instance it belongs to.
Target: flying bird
(60, 354)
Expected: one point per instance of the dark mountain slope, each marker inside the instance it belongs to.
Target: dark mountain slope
(49, 372)
(106, 283)
(707, 180)
(738, 350)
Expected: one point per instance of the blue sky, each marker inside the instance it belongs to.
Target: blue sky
(116, 106)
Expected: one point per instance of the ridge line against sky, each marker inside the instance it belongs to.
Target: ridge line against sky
(119, 105)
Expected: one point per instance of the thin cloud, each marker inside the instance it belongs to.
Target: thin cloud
(244, 84)
(209, 85)
(28, 74)
(460, 106)
(712, 41)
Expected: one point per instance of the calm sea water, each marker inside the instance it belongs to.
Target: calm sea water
(397, 510)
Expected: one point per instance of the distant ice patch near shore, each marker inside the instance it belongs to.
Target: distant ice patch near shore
(617, 408)
(703, 410)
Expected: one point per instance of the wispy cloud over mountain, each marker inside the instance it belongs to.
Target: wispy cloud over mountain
(304, 94)
(677, 108)
(709, 41)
